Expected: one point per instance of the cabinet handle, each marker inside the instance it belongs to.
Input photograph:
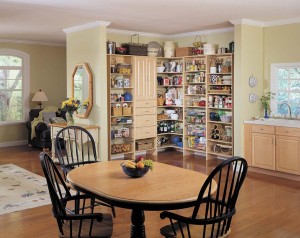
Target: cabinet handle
(261, 129)
(286, 132)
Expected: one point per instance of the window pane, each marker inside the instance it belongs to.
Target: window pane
(14, 84)
(286, 84)
(6, 60)
(11, 108)
(295, 73)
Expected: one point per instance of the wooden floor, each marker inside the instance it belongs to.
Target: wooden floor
(267, 206)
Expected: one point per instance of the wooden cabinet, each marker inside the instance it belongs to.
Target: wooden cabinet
(263, 150)
(145, 102)
(288, 149)
(145, 78)
(275, 148)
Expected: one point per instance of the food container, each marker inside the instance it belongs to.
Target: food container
(174, 116)
(160, 69)
(209, 49)
(178, 102)
(111, 47)
(225, 118)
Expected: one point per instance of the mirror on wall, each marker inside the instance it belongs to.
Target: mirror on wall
(82, 85)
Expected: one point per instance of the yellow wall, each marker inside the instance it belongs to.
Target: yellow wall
(47, 72)
(281, 45)
(89, 46)
(248, 62)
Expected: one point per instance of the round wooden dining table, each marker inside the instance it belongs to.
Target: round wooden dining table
(166, 187)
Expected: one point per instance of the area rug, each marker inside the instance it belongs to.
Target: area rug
(21, 189)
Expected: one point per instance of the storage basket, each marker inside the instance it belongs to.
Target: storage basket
(127, 111)
(136, 48)
(120, 148)
(116, 111)
(145, 144)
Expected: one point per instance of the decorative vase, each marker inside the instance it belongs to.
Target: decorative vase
(70, 119)
(266, 113)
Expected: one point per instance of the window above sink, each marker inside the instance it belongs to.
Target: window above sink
(285, 83)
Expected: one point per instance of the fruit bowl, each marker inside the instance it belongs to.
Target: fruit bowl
(137, 168)
(135, 172)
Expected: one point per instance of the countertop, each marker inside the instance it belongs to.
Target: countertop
(275, 122)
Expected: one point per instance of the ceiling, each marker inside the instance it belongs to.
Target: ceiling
(44, 20)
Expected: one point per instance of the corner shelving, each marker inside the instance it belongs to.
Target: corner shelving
(195, 104)
(170, 103)
(120, 110)
(220, 106)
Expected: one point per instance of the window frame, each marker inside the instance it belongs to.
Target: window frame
(273, 82)
(25, 83)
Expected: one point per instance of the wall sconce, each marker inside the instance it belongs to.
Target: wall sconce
(39, 97)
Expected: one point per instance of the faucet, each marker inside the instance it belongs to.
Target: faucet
(289, 108)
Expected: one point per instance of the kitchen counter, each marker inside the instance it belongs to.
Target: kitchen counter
(275, 122)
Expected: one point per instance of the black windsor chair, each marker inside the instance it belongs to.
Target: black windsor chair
(71, 222)
(75, 147)
(213, 211)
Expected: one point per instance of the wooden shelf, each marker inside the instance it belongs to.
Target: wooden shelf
(219, 154)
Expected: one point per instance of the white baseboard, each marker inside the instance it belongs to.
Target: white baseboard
(13, 143)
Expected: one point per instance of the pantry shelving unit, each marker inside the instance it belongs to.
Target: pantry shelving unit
(170, 103)
(195, 105)
(187, 106)
(120, 110)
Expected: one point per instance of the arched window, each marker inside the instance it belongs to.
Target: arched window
(14, 86)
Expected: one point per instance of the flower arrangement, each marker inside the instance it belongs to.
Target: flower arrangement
(70, 105)
(85, 103)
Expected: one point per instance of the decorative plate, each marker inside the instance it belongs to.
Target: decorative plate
(252, 97)
(252, 81)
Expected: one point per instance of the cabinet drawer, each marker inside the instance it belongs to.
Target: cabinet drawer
(147, 120)
(148, 103)
(145, 132)
(287, 131)
(263, 129)
(145, 110)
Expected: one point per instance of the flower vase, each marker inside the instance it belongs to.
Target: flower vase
(70, 119)
(266, 113)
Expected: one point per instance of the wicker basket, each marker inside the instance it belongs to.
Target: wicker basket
(136, 48)
(145, 144)
(127, 111)
(116, 111)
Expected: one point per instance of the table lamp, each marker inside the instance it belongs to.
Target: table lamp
(39, 97)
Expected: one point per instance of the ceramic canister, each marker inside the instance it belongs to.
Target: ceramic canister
(169, 49)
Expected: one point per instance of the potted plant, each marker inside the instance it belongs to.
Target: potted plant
(265, 102)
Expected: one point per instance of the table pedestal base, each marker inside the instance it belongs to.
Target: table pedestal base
(137, 224)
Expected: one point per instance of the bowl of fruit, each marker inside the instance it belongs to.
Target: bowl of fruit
(137, 168)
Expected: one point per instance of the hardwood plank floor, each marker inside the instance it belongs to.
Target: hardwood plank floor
(268, 207)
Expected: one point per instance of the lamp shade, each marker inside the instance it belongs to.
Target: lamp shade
(39, 96)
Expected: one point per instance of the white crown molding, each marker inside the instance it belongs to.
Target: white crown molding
(265, 24)
(124, 32)
(86, 26)
(181, 35)
(249, 22)
(33, 42)
(205, 32)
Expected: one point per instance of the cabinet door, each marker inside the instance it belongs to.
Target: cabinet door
(145, 78)
(288, 154)
(263, 151)
(151, 79)
(140, 78)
